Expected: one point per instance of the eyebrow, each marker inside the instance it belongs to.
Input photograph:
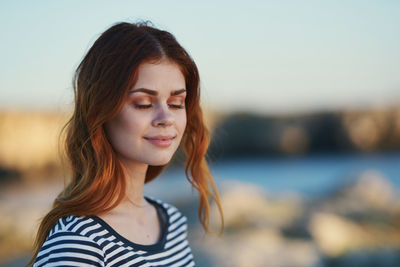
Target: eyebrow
(153, 92)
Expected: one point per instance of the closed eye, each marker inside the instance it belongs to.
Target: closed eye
(143, 106)
(149, 106)
(177, 106)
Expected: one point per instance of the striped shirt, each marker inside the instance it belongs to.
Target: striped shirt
(90, 241)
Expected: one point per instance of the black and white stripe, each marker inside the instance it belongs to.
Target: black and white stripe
(89, 241)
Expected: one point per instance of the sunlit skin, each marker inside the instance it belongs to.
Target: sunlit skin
(147, 115)
(147, 131)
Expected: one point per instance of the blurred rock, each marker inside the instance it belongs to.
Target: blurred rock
(370, 197)
(374, 191)
(360, 217)
(261, 230)
(382, 257)
(336, 235)
(253, 226)
(247, 206)
(257, 247)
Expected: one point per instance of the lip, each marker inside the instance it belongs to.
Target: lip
(161, 140)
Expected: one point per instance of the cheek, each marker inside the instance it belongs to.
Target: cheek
(182, 122)
(132, 120)
(115, 133)
(122, 130)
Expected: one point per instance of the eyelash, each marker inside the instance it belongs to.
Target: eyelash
(149, 106)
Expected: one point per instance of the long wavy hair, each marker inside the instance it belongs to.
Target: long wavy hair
(101, 83)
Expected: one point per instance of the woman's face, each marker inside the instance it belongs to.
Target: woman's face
(152, 121)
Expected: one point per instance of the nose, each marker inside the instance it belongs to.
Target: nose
(163, 117)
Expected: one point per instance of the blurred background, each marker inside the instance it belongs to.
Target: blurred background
(302, 99)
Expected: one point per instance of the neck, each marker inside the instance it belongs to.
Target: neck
(135, 175)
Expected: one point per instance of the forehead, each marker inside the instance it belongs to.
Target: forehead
(160, 76)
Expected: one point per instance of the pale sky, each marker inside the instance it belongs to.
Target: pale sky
(269, 56)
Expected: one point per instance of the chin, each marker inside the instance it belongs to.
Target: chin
(159, 162)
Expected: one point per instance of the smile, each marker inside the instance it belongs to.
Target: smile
(160, 141)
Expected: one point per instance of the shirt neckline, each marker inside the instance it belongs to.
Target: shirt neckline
(156, 246)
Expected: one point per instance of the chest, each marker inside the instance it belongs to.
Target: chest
(145, 230)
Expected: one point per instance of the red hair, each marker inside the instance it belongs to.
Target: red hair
(101, 81)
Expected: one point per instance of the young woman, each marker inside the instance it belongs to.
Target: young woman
(136, 100)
